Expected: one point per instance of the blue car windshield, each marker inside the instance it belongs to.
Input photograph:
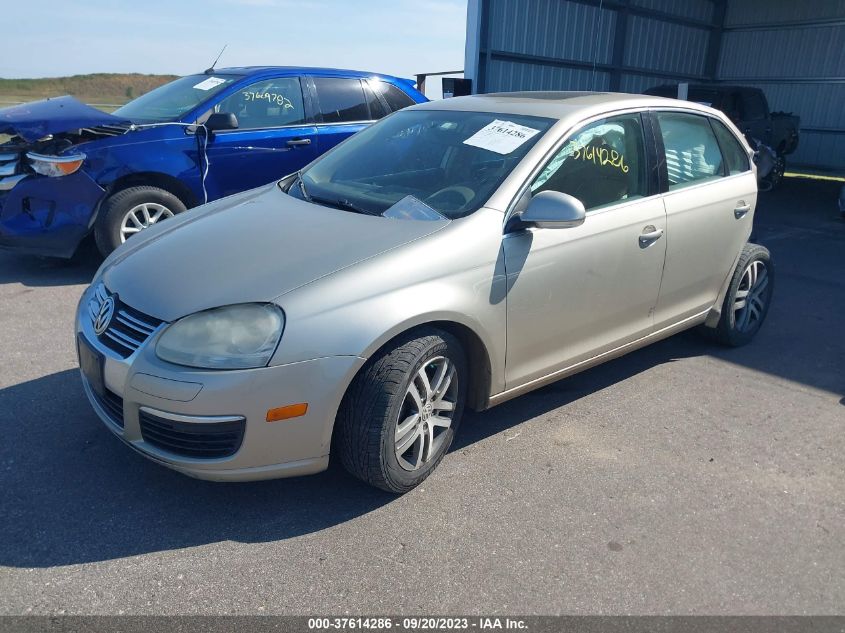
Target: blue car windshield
(450, 160)
(172, 100)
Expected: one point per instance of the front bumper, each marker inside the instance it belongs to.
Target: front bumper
(48, 216)
(142, 383)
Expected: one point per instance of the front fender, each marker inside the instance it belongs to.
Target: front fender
(454, 276)
(154, 152)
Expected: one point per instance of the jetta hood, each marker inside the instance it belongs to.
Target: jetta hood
(254, 246)
(33, 121)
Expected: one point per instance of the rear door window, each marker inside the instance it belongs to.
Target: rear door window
(267, 104)
(692, 153)
(341, 100)
(754, 106)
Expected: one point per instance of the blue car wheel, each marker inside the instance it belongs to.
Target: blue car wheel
(130, 211)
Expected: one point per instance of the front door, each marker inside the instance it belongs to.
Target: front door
(274, 137)
(577, 292)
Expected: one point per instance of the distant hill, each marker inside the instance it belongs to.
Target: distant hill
(100, 89)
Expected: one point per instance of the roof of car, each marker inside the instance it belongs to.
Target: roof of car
(556, 105)
(262, 70)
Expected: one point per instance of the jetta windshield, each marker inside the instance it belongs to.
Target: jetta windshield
(170, 101)
(452, 161)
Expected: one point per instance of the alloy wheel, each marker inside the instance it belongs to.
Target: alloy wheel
(426, 413)
(142, 216)
(750, 299)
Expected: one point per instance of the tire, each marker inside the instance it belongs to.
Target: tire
(739, 323)
(773, 179)
(109, 232)
(381, 396)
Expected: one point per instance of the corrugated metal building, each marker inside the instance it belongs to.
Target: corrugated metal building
(794, 50)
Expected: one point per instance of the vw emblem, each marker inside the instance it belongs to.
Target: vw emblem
(106, 312)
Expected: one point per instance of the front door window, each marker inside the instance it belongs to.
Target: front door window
(267, 104)
(601, 164)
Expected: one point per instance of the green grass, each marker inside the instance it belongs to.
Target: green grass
(104, 90)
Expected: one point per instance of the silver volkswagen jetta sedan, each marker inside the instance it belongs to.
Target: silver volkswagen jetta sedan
(456, 254)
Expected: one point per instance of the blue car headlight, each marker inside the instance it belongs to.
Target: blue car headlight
(233, 337)
(55, 166)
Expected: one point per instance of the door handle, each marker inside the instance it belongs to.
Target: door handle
(741, 210)
(296, 142)
(649, 236)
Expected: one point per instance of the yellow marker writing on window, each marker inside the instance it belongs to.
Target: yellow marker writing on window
(601, 156)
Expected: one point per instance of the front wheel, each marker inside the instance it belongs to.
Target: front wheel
(748, 298)
(130, 211)
(401, 412)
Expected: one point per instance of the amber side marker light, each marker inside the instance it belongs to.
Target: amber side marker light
(285, 413)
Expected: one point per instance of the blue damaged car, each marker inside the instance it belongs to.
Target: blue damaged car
(69, 170)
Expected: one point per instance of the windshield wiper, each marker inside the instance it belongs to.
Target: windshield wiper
(340, 203)
(302, 186)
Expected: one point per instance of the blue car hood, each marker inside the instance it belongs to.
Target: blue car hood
(32, 121)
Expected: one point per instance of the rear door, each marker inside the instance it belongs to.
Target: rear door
(276, 136)
(709, 195)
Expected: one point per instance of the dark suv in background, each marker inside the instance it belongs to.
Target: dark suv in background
(748, 108)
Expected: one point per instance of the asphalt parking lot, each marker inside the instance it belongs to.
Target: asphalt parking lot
(683, 478)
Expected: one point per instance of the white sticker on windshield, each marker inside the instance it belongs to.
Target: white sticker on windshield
(501, 137)
(208, 84)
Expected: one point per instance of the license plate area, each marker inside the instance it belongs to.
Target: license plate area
(91, 363)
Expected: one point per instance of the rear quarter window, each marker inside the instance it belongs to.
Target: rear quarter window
(736, 159)
(396, 98)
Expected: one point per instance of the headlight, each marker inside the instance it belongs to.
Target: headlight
(235, 337)
(55, 165)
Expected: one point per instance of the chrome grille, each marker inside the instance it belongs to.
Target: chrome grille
(128, 329)
(9, 170)
(9, 163)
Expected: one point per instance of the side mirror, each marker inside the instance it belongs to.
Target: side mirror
(221, 121)
(554, 210)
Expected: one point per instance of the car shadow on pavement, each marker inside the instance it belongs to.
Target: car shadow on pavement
(72, 493)
(478, 426)
(34, 271)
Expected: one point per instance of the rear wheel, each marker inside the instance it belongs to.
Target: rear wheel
(130, 211)
(400, 414)
(777, 174)
(747, 300)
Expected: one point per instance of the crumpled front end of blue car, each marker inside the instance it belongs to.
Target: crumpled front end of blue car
(47, 200)
(44, 215)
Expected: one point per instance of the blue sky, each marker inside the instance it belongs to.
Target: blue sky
(48, 38)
